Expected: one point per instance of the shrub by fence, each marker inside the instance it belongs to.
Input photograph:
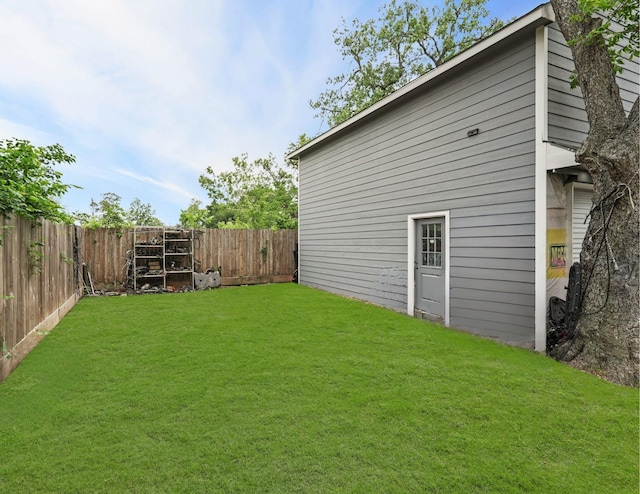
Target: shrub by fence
(38, 284)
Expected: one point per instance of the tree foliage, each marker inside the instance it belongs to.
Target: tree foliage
(302, 140)
(254, 194)
(194, 216)
(209, 216)
(406, 41)
(29, 182)
(108, 212)
(617, 27)
(142, 214)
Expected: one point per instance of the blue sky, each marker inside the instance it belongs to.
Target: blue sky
(148, 93)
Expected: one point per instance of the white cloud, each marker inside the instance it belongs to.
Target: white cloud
(154, 91)
(169, 186)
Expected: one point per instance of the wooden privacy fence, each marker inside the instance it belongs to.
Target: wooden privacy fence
(246, 256)
(38, 283)
(104, 251)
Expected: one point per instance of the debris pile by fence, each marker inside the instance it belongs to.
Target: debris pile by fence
(240, 256)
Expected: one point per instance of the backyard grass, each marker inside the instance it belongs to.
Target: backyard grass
(281, 388)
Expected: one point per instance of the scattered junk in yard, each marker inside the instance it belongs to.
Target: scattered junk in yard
(295, 259)
(86, 280)
(162, 261)
(128, 270)
(162, 257)
(563, 315)
(210, 279)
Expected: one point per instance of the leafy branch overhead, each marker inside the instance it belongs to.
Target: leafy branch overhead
(30, 184)
(406, 41)
(616, 27)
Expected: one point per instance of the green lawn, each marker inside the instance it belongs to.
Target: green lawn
(281, 388)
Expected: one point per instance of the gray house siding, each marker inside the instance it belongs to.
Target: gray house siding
(567, 117)
(358, 188)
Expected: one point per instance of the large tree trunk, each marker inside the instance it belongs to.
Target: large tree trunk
(606, 341)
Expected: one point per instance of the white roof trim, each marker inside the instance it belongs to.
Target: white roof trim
(559, 157)
(541, 15)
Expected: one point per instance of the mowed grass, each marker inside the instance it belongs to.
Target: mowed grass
(282, 388)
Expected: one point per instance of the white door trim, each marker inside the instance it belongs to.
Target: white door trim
(411, 258)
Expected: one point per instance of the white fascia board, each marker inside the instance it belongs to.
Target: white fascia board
(540, 15)
(559, 157)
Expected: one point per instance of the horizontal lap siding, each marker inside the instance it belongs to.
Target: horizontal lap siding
(357, 190)
(567, 117)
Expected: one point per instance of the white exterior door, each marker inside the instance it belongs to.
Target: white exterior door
(430, 267)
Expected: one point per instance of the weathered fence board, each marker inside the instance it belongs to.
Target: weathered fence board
(104, 251)
(38, 284)
(248, 256)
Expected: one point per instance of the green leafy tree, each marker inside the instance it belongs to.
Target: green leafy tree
(106, 213)
(254, 194)
(30, 184)
(194, 216)
(210, 216)
(618, 29)
(142, 214)
(406, 41)
(109, 213)
(607, 336)
(303, 139)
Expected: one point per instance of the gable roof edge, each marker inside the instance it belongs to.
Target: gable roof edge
(542, 14)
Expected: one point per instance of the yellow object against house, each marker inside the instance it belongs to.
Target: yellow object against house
(556, 253)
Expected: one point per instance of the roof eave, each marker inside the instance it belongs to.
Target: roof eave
(542, 14)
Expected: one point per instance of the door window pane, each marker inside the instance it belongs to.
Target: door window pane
(432, 245)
